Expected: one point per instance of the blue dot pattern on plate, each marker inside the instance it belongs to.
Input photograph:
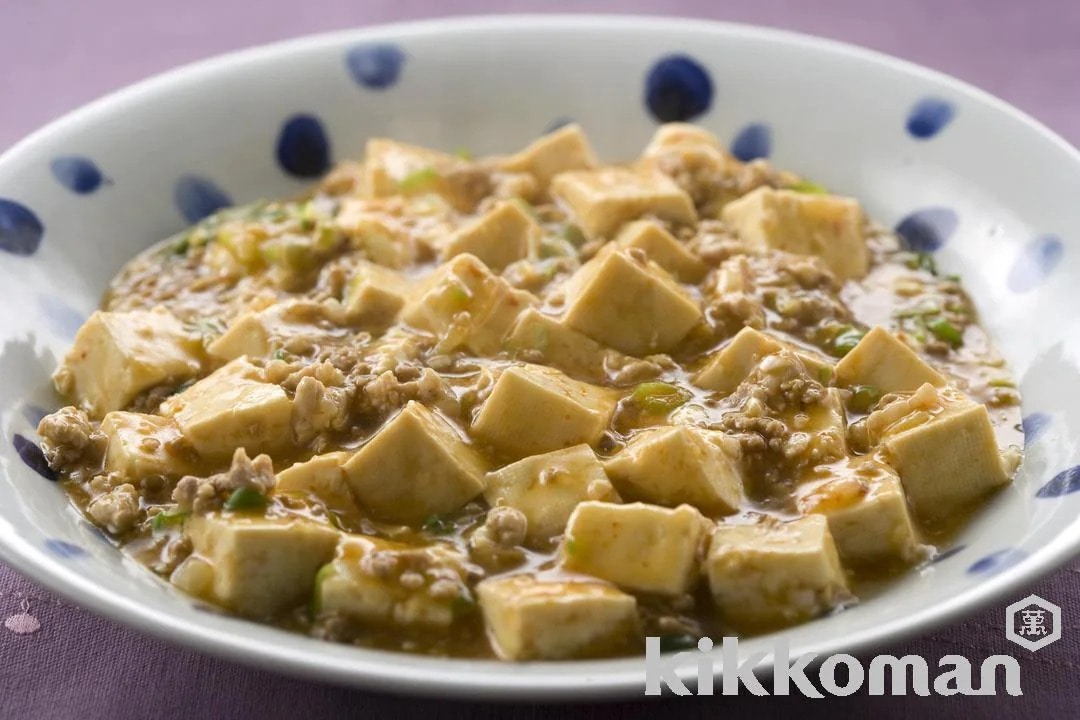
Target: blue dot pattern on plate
(20, 229)
(1034, 425)
(928, 229)
(678, 89)
(197, 197)
(928, 117)
(954, 550)
(64, 549)
(1035, 262)
(64, 319)
(34, 414)
(376, 66)
(31, 454)
(1064, 483)
(303, 149)
(78, 174)
(753, 142)
(996, 562)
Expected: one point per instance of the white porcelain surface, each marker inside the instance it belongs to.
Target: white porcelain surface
(836, 114)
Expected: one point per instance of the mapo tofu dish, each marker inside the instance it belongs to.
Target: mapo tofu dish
(532, 406)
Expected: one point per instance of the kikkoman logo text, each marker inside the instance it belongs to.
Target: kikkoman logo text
(887, 674)
(1032, 623)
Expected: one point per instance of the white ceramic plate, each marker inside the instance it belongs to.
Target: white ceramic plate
(993, 188)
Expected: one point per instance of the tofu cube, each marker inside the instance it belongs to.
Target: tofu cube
(415, 466)
(375, 295)
(143, 446)
(502, 236)
(603, 200)
(673, 465)
(322, 479)
(634, 307)
(555, 344)
(944, 450)
(469, 306)
(674, 135)
(534, 409)
(864, 503)
(364, 582)
(397, 168)
(232, 408)
(259, 333)
(559, 151)
(730, 365)
(117, 355)
(883, 361)
(532, 619)
(639, 547)
(261, 567)
(772, 574)
(376, 234)
(661, 247)
(546, 488)
(246, 335)
(828, 226)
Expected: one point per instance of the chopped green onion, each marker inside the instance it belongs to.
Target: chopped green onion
(675, 643)
(917, 312)
(846, 341)
(168, 519)
(245, 498)
(953, 277)
(462, 605)
(418, 180)
(658, 397)
(316, 594)
(525, 205)
(437, 525)
(458, 294)
(280, 354)
(1001, 383)
(922, 261)
(307, 216)
(945, 330)
(810, 187)
(275, 213)
(464, 153)
(181, 246)
(572, 234)
(864, 397)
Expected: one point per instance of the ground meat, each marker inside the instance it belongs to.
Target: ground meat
(68, 438)
(201, 495)
(116, 510)
(317, 408)
(731, 312)
(347, 178)
(767, 415)
(807, 308)
(392, 389)
(623, 370)
(780, 382)
(506, 526)
(496, 543)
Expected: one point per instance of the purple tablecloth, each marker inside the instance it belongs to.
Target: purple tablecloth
(59, 661)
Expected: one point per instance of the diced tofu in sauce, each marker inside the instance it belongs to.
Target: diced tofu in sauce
(534, 406)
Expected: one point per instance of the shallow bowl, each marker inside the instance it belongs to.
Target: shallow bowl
(986, 188)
